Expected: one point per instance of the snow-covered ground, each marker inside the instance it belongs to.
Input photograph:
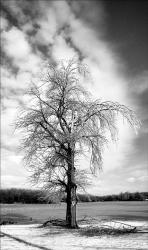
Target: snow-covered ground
(35, 237)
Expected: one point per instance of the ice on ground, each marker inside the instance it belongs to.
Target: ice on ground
(63, 239)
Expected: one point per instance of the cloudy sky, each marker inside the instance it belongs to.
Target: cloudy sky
(111, 38)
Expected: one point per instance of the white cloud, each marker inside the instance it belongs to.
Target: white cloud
(62, 12)
(60, 50)
(53, 16)
(15, 44)
(4, 23)
(131, 179)
(14, 181)
(48, 27)
(143, 178)
(17, 47)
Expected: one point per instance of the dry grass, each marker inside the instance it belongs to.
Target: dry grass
(39, 213)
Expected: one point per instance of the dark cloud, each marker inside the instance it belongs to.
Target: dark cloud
(138, 159)
(6, 12)
(139, 95)
(126, 26)
(91, 12)
(144, 99)
(8, 63)
(71, 44)
(20, 12)
(141, 142)
(43, 49)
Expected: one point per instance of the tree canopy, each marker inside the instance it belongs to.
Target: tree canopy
(61, 122)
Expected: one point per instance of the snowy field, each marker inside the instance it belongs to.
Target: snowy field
(33, 237)
(53, 238)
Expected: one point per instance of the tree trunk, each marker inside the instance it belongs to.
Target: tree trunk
(71, 194)
(73, 207)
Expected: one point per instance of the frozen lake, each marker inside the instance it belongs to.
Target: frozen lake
(32, 237)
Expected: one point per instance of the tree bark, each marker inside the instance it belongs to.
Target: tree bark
(71, 193)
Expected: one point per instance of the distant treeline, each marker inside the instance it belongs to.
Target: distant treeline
(14, 195)
(137, 196)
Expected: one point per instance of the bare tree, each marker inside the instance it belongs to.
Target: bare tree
(61, 123)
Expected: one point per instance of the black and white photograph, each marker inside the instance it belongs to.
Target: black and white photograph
(74, 125)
